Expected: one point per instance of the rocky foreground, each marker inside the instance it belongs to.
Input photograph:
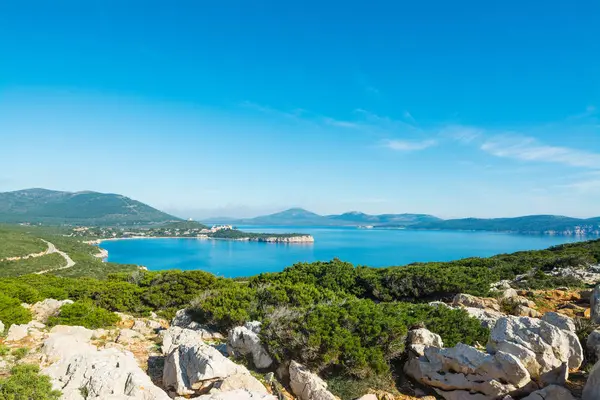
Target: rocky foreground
(533, 353)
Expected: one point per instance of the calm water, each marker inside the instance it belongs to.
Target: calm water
(376, 248)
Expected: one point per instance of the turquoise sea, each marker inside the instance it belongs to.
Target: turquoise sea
(373, 247)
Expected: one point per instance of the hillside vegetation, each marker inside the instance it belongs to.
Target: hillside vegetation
(84, 208)
(347, 323)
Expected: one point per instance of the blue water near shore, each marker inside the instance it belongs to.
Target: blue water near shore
(373, 247)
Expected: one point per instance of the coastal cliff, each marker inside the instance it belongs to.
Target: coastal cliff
(285, 239)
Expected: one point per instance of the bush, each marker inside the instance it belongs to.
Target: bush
(84, 313)
(25, 382)
(11, 311)
(226, 307)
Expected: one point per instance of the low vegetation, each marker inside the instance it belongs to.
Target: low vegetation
(25, 382)
(15, 244)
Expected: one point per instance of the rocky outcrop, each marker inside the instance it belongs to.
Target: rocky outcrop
(42, 310)
(539, 345)
(588, 274)
(244, 340)
(81, 371)
(591, 391)
(466, 300)
(284, 239)
(463, 372)
(306, 385)
(1, 328)
(192, 369)
(552, 392)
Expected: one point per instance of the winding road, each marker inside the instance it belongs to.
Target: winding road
(52, 249)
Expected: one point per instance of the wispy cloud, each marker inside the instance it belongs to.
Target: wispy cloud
(340, 123)
(406, 145)
(530, 149)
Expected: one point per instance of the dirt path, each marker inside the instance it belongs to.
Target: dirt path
(32, 255)
(52, 249)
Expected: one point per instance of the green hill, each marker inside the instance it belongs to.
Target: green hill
(79, 208)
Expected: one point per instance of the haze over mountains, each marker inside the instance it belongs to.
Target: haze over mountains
(93, 208)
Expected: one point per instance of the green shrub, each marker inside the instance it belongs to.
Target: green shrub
(350, 388)
(84, 313)
(25, 383)
(20, 353)
(226, 307)
(11, 311)
(4, 350)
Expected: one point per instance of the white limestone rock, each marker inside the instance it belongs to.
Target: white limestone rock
(127, 336)
(467, 300)
(306, 385)
(184, 320)
(560, 321)
(488, 318)
(243, 341)
(190, 366)
(455, 372)
(175, 336)
(1, 328)
(78, 368)
(552, 392)
(17, 332)
(42, 310)
(241, 381)
(419, 339)
(539, 345)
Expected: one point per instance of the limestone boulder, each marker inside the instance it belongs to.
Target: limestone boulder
(175, 336)
(463, 372)
(525, 311)
(306, 385)
(82, 372)
(552, 392)
(243, 342)
(67, 341)
(419, 339)
(1, 328)
(591, 391)
(42, 310)
(192, 368)
(241, 381)
(19, 332)
(488, 318)
(560, 321)
(539, 345)
(466, 300)
(128, 336)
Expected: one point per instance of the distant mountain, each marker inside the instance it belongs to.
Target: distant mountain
(79, 208)
(531, 224)
(302, 217)
(550, 224)
(293, 216)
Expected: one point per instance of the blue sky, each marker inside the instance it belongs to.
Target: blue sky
(463, 108)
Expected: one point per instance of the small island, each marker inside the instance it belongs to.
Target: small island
(185, 229)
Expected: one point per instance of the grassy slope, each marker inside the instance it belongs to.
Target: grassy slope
(16, 244)
(83, 254)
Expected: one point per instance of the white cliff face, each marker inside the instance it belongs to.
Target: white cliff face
(541, 346)
(243, 341)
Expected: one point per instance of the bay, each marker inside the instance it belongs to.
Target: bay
(372, 247)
